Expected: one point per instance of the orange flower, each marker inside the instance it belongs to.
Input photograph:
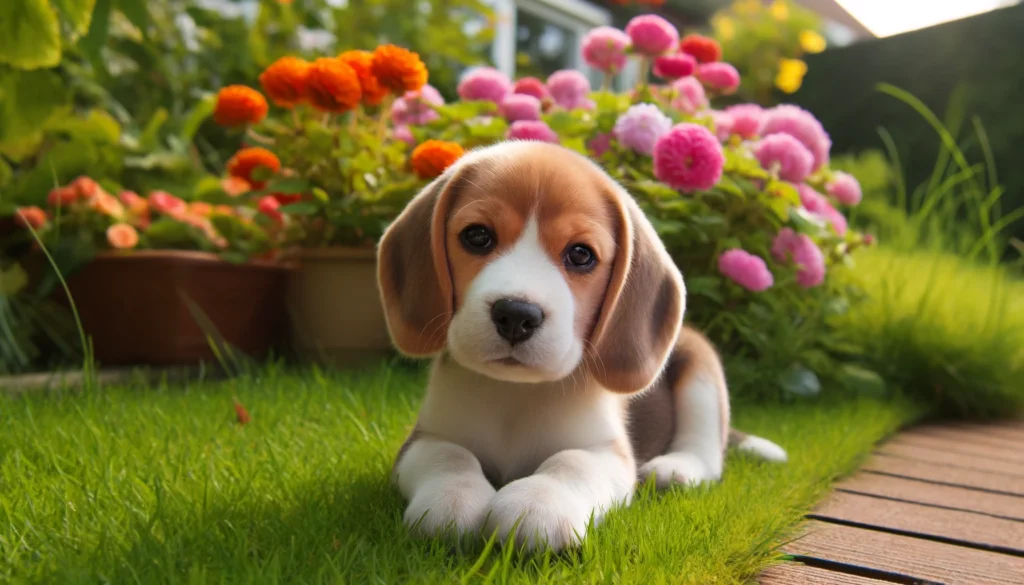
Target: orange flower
(200, 208)
(431, 158)
(362, 63)
(86, 187)
(223, 210)
(107, 204)
(248, 160)
(333, 86)
(62, 196)
(30, 217)
(122, 236)
(398, 69)
(238, 105)
(235, 186)
(285, 81)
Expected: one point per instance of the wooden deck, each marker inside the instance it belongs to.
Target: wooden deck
(933, 505)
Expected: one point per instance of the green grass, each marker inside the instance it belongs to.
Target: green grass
(162, 485)
(945, 329)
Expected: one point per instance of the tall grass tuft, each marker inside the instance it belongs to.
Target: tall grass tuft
(943, 316)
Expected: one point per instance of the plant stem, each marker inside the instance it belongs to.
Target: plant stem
(257, 137)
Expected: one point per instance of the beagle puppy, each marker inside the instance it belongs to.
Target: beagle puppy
(562, 370)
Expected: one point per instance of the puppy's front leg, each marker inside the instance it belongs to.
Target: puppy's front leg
(555, 504)
(444, 486)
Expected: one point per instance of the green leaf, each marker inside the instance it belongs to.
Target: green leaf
(92, 43)
(200, 112)
(5, 172)
(96, 126)
(30, 99)
(779, 207)
(707, 286)
(12, 280)
(29, 34)
(783, 190)
(77, 13)
(151, 133)
(136, 12)
(300, 208)
(289, 185)
(861, 380)
(167, 161)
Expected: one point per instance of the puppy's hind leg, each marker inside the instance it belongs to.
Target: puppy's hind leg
(700, 400)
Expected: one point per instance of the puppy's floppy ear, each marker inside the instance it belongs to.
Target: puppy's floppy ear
(412, 271)
(642, 312)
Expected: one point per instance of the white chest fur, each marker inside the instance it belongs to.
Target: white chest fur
(513, 427)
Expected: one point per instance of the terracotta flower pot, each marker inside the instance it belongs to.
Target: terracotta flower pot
(134, 306)
(335, 307)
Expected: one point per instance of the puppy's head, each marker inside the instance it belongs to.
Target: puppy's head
(527, 262)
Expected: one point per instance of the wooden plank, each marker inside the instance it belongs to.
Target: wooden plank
(957, 446)
(976, 436)
(798, 574)
(967, 527)
(935, 494)
(941, 457)
(1006, 484)
(921, 559)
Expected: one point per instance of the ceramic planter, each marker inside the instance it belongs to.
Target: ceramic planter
(134, 307)
(335, 307)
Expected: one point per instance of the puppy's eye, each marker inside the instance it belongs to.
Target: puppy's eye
(477, 239)
(580, 258)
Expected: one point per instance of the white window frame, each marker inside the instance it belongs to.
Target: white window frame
(576, 15)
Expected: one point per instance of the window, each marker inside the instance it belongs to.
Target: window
(539, 37)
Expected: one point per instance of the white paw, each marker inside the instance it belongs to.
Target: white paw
(447, 505)
(682, 468)
(546, 510)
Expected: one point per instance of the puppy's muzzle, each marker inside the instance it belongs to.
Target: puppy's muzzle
(516, 320)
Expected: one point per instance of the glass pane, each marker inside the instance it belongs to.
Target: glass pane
(542, 47)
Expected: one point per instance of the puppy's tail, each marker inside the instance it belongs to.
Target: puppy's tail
(757, 446)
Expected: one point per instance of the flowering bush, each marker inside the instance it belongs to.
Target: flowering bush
(742, 196)
(766, 42)
(83, 217)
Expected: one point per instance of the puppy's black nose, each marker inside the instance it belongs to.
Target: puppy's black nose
(516, 320)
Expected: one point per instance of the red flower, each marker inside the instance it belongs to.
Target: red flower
(86, 187)
(703, 49)
(62, 196)
(287, 198)
(248, 160)
(238, 105)
(241, 414)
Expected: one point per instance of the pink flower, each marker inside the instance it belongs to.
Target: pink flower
(641, 126)
(62, 196)
(688, 157)
(786, 155)
(802, 125)
(531, 130)
(404, 134)
(519, 106)
(652, 35)
(485, 84)
(745, 269)
(600, 144)
(414, 108)
(532, 86)
(723, 124)
(569, 88)
(845, 188)
(722, 77)
(746, 119)
(674, 66)
(801, 250)
(271, 208)
(817, 204)
(167, 204)
(107, 204)
(122, 236)
(689, 96)
(604, 48)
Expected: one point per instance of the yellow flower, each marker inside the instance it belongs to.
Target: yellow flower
(791, 75)
(725, 27)
(779, 10)
(811, 42)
